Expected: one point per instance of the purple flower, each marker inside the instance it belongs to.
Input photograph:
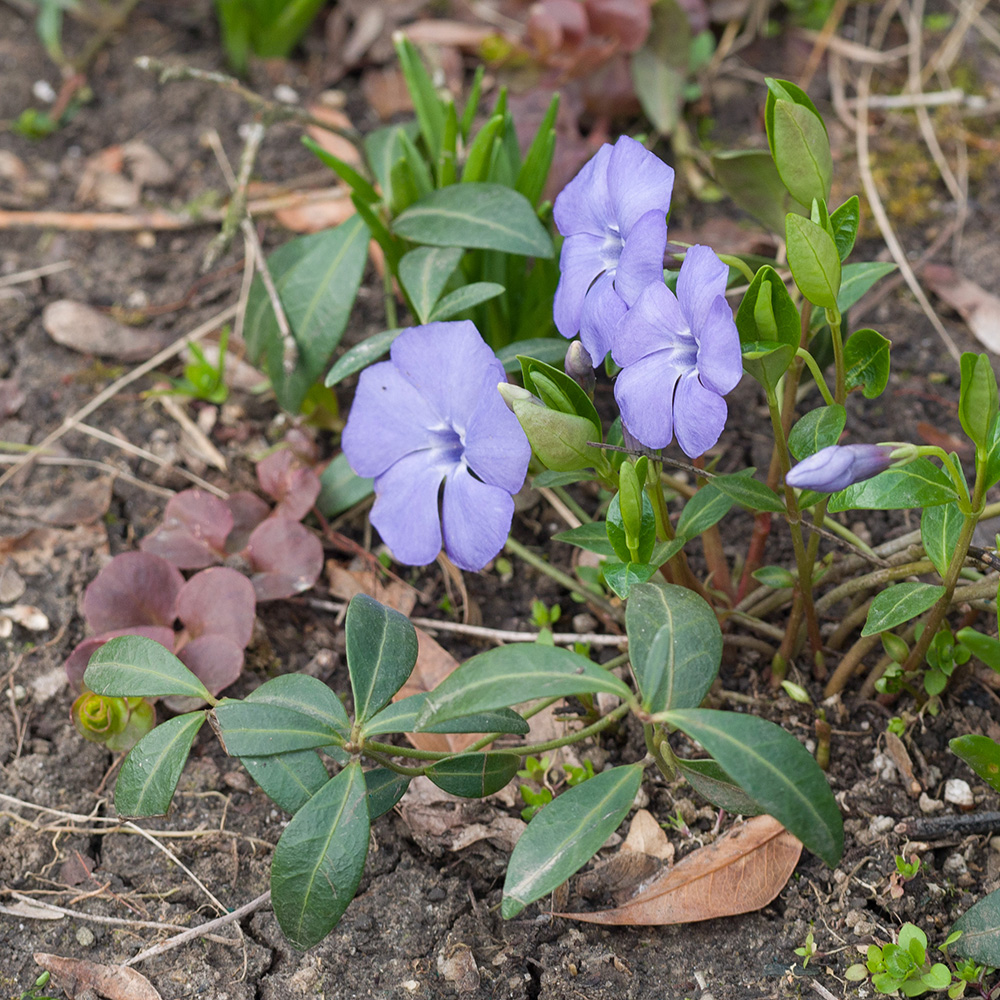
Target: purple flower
(680, 354)
(433, 414)
(838, 466)
(614, 217)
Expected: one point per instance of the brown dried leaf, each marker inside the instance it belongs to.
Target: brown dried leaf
(446, 32)
(334, 144)
(313, 216)
(617, 879)
(346, 583)
(646, 836)
(116, 982)
(385, 90)
(979, 308)
(742, 871)
(80, 328)
(896, 750)
(86, 502)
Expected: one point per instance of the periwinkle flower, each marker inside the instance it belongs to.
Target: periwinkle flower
(429, 415)
(680, 355)
(614, 217)
(838, 466)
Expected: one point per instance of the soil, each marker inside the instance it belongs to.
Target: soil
(426, 919)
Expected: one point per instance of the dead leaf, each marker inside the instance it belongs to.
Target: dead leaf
(646, 836)
(896, 750)
(616, 880)
(80, 328)
(33, 551)
(334, 144)
(742, 871)
(346, 583)
(116, 982)
(145, 165)
(12, 397)
(313, 216)
(85, 502)
(979, 308)
(385, 90)
(457, 965)
(76, 869)
(942, 439)
(12, 585)
(443, 31)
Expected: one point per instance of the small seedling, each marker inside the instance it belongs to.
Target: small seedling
(807, 950)
(902, 966)
(35, 992)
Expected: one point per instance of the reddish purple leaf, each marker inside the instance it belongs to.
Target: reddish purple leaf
(295, 486)
(193, 532)
(76, 662)
(214, 659)
(286, 557)
(135, 588)
(218, 601)
(248, 511)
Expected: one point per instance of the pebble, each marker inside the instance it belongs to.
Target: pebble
(958, 792)
(84, 937)
(995, 844)
(881, 824)
(286, 94)
(929, 805)
(863, 928)
(955, 866)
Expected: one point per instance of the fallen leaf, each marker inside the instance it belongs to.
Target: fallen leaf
(385, 91)
(313, 216)
(33, 551)
(116, 982)
(85, 502)
(979, 308)
(742, 871)
(12, 585)
(896, 750)
(646, 836)
(443, 31)
(146, 166)
(334, 144)
(457, 965)
(617, 879)
(80, 328)
(12, 397)
(942, 439)
(346, 583)
(23, 908)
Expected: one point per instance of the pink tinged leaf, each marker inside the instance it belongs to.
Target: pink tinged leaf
(248, 511)
(135, 588)
(214, 659)
(627, 21)
(76, 662)
(286, 557)
(218, 601)
(295, 486)
(194, 530)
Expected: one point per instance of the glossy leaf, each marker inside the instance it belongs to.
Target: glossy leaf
(465, 298)
(816, 430)
(401, 717)
(775, 770)
(288, 779)
(752, 180)
(844, 221)
(559, 391)
(565, 835)
(304, 694)
(766, 361)
(866, 359)
(981, 754)
(767, 313)
(707, 507)
(512, 674)
(424, 272)
(977, 403)
(385, 789)
(621, 577)
(898, 604)
(801, 151)
(592, 536)
(748, 492)
(361, 355)
(617, 535)
(381, 652)
(131, 666)
(342, 488)
(918, 484)
(675, 645)
(985, 647)
(814, 261)
(257, 729)
(474, 775)
(149, 774)
(980, 927)
(939, 530)
(318, 861)
(712, 783)
(483, 216)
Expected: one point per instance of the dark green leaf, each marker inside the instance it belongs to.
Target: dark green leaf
(288, 779)
(549, 350)
(748, 492)
(566, 834)
(428, 106)
(537, 161)
(939, 530)
(341, 488)
(816, 430)
(483, 216)
(855, 280)
(622, 577)
(992, 473)
(712, 783)
(844, 222)
(424, 272)
(977, 401)
(150, 772)
(593, 537)
(980, 927)
(898, 604)
(361, 355)
(385, 789)
(617, 535)
(513, 674)
(319, 859)
(675, 645)
(464, 298)
(401, 717)
(383, 150)
(918, 484)
(707, 507)
(381, 653)
(131, 666)
(304, 694)
(981, 754)
(775, 770)
(814, 261)
(259, 729)
(474, 775)
(344, 171)
(866, 358)
(753, 182)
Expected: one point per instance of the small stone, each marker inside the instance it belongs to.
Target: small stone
(881, 824)
(863, 928)
(995, 844)
(958, 793)
(853, 917)
(43, 91)
(929, 805)
(84, 937)
(954, 866)
(286, 94)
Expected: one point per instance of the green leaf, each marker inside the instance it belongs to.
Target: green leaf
(977, 401)
(866, 358)
(660, 68)
(766, 313)
(752, 180)
(844, 222)
(474, 775)
(424, 272)
(913, 941)
(980, 927)
(149, 774)
(748, 492)
(766, 361)
(513, 674)
(981, 754)
(622, 577)
(383, 150)
(939, 530)
(288, 779)
(381, 653)
(985, 647)
(571, 397)
(617, 534)
(814, 261)
(592, 537)
(401, 717)
(318, 861)
(818, 429)
(566, 834)
(317, 278)
(856, 279)
(464, 298)
(920, 483)
(426, 103)
(801, 151)
(259, 729)
(361, 355)
(707, 507)
(131, 666)
(535, 169)
(548, 350)
(675, 645)
(344, 171)
(898, 604)
(385, 789)
(482, 216)
(991, 474)
(938, 977)
(711, 782)
(341, 488)
(304, 694)
(775, 770)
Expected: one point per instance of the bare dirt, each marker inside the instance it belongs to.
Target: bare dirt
(426, 920)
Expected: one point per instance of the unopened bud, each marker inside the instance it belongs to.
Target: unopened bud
(579, 367)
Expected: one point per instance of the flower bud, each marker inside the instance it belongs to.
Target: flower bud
(838, 466)
(579, 367)
(630, 505)
(118, 723)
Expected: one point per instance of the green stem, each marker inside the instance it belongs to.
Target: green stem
(389, 301)
(833, 317)
(591, 730)
(560, 491)
(837, 528)
(817, 374)
(741, 265)
(383, 761)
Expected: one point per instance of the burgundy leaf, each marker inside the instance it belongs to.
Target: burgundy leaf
(248, 511)
(193, 532)
(294, 485)
(214, 659)
(218, 601)
(286, 557)
(135, 588)
(627, 21)
(76, 662)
